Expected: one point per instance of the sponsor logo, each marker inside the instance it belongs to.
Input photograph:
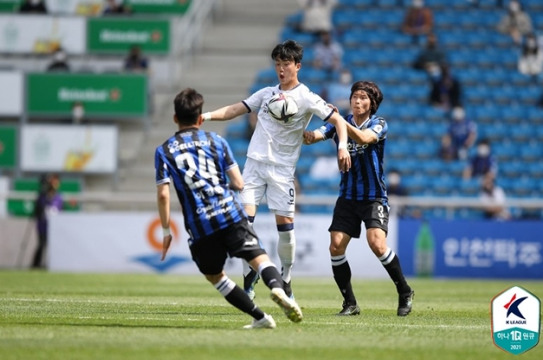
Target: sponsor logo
(66, 94)
(130, 36)
(154, 239)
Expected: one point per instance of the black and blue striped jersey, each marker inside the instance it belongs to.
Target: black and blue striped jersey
(366, 178)
(197, 162)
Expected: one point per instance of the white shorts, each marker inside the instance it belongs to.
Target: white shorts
(276, 181)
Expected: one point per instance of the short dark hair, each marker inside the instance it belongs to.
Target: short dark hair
(188, 106)
(288, 50)
(373, 91)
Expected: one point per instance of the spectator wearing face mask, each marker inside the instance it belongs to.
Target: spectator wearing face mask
(328, 53)
(531, 58)
(418, 20)
(446, 90)
(78, 112)
(516, 23)
(432, 57)
(33, 7)
(462, 132)
(493, 198)
(395, 188)
(482, 162)
(338, 92)
(317, 16)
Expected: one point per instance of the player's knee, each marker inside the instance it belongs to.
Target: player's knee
(337, 249)
(214, 278)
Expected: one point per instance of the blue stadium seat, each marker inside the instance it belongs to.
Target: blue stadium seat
(469, 187)
(237, 129)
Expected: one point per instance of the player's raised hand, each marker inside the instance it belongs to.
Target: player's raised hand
(165, 245)
(344, 160)
(309, 137)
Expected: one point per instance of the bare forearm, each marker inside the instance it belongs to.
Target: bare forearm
(228, 112)
(361, 137)
(163, 203)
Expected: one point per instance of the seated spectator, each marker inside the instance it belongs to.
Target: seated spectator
(338, 92)
(482, 162)
(33, 7)
(317, 15)
(447, 152)
(78, 113)
(116, 7)
(516, 23)
(446, 89)
(431, 58)
(493, 198)
(395, 188)
(531, 57)
(462, 133)
(59, 63)
(135, 61)
(418, 20)
(328, 53)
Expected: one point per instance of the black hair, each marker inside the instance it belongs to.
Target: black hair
(373, 91)
(188, 106)
(288, 50)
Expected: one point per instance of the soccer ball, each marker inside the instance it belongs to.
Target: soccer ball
(282, 107)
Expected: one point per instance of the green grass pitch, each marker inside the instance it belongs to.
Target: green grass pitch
(106, 316)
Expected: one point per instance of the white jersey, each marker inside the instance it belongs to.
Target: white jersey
(278, 143)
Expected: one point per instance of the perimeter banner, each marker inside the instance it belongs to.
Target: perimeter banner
(26, 34)
(69, 148)
(107, 35)
(472, 249)
(132, 242)
(116, 95)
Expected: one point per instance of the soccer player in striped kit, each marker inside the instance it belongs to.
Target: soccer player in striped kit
(362, 196)
(274, 150)
(199, 164)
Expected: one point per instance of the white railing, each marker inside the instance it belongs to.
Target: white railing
(149, 199)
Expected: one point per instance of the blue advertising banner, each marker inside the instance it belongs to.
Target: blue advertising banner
(471, 249)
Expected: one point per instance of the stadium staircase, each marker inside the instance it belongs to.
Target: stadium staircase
(496, 96)
(233, 49)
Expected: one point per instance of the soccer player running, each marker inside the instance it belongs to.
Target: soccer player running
(199, 163)
(362, 196)
(274, 150)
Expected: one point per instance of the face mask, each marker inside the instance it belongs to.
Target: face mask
(435, 71)
(458, 114)
(418, 4)
(394, 179)
(483, 150)
(514, 7)
(78, 112)
(345, 78)
(531, 43)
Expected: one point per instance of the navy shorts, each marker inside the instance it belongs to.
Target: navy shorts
(349, 215)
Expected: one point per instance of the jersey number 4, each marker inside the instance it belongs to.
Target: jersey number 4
(196, 176)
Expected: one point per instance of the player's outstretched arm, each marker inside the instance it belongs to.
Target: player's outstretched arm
(163, 204)
(226, 113)
(343, 156)
(311, 137)
(362, 137)
(236, 180)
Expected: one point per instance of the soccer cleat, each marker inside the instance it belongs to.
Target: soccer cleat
(266, 322)
(288, 289)
(289, 306)
(249, 283)
(405, 303)
(349, 310)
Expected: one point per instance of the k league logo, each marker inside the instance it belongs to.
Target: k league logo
(516, 320)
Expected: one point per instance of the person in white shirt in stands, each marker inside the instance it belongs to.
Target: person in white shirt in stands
(274, 150)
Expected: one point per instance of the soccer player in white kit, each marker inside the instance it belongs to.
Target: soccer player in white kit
(274, 150)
